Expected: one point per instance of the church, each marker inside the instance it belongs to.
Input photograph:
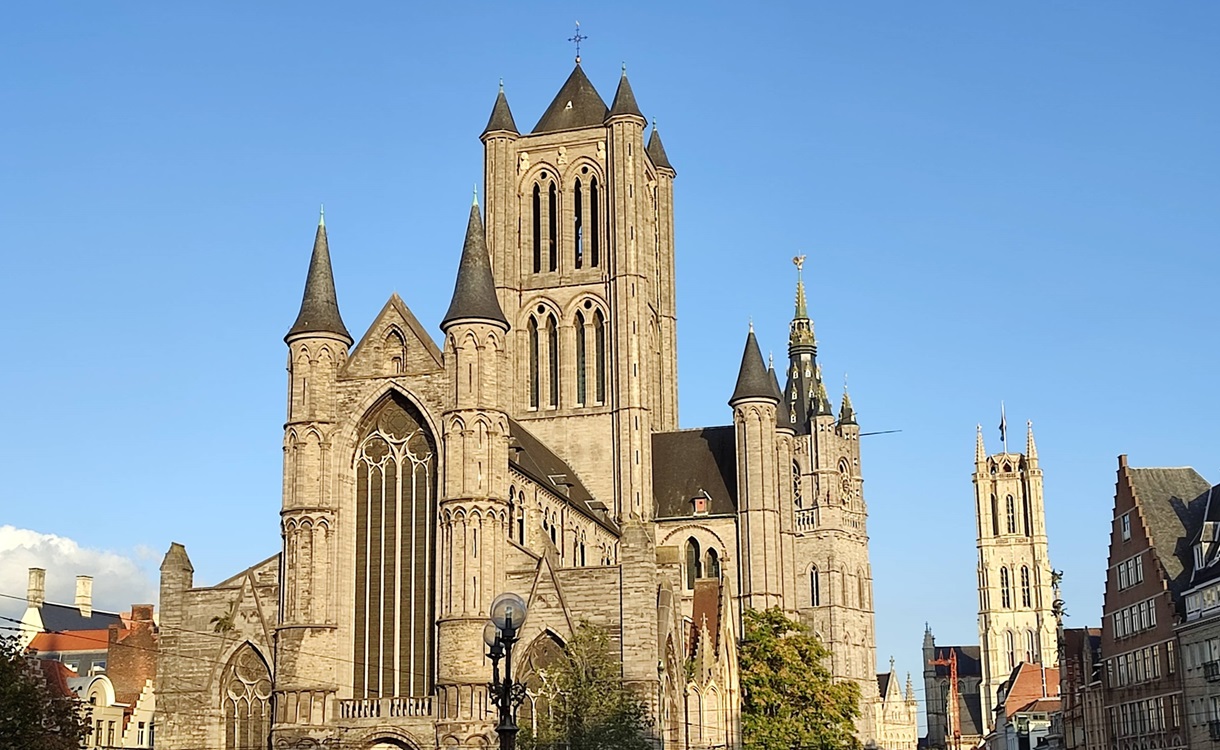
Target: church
(534, 448)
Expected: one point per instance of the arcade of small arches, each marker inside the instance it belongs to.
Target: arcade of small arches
(580, 207)
(821, 591)
(1007, 591)
(581, 339)
(1013, 525)
(572, 534)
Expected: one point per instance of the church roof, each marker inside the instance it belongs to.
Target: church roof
(501, 119)
(577, 105)
(1172, 501)
(57, 617)
(474, 292)
(624, 99)
(752, 378)
(540, 463)
(883, 683)
(689, 463)
(705, 605)
(319, 305)
(657, 151)
(969, 661)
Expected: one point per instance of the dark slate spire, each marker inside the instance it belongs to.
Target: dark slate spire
(821, 402)
(320, 306)
(474, 293)
(847, 415)
(805, 390)
(501, 119)
(752, 379)
(783, 416)
(624, 99)
(656, 151)
(577, 105)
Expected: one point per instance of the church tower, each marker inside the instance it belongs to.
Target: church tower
(1014, 570)
(580, 232)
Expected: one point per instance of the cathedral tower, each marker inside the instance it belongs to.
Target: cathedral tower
(1014, 570)
(580, 232)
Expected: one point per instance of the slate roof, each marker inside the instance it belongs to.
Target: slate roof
(624, 99)
(752, 378)
(1172, 502)
(319, 305)
(1208, 532)
(883, 683)
(60, 617)
(501, 116)
(970, 706)
(577, 105)
(969, 661)
(474, 291)
(541, 464)
(689, 462)
(657, 151)
(783, 415)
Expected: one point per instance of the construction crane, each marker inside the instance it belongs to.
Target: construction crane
(952, 709)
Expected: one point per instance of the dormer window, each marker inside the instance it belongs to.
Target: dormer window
(699, 504)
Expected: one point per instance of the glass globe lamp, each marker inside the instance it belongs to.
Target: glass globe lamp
(508, 612)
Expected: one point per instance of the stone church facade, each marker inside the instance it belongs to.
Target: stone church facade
(535, 450)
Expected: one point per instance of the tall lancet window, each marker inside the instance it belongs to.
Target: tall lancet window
(536, 215)
(395, 553)
(1031, 647)
(995, 516)
(534, 369)
(694, 563)
(1027, 517)
(1025, 593)
(1011, 643)
(1005, 589)
(581, 363)
(595, 223)
(552, 227)
(1011, 509)
(578, 227)
(599, 345)
(815, 588)
(246, 695)
(552, 362)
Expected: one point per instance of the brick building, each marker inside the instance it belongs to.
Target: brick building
(1149, 568)
(1199, 632)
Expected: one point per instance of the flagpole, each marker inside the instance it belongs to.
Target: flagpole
(1003, 427)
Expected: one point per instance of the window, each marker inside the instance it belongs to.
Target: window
(1171, 663)
(1005, 589)
(578, 224)
(1012, 649)
(140, 734)
(1031, 651)
(581, 372)
(711, 564)
(797, 497)
(599, 353)
(537, 226)
(1011, 509)
(1026, 517)
(552, 225)
(246, 695)
(594, 223)
(693, 563)
(995, 517)
(552, 354)
(862, 589)
(815, 591)
(1025, 593)
(534, 369)
(1125, 525)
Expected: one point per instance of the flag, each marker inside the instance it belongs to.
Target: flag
(1003, 425)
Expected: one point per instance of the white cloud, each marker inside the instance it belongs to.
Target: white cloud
(119, 580)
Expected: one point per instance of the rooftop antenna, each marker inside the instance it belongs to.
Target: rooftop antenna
(576, 39)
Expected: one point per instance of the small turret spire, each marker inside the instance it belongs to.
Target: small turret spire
(821, 405)
(783, 415)
(656, 151)
(321, 214)
(474, 292)
(501, 119)
(980, 453)
(910, 696)
(752, 378)
(320, 305)
(624, 100)
(847, 414)
(1031, 449)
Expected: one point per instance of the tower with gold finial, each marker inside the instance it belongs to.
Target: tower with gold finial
(1016, 620)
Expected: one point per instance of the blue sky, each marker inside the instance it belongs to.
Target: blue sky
(998, 202)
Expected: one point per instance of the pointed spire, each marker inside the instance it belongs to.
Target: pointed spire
(800, 330)
(501, 120)
(656, 151)
(752, 379)
(821, 402)
(1031, 450)
(910, 696)
(980, 453)
(847, 415)
(624, 99)
(577, 105)
(783, 417)
(474, 293)
(320, 305)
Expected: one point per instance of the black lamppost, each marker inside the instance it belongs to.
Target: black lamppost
(500, 633)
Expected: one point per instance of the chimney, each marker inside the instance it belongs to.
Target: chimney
(36, 591)
(84, 595)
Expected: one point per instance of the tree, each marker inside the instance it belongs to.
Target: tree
(584, 704)
(32, 715)
(790, 698)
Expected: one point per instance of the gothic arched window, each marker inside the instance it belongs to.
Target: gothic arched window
(581, 361)
(995, 517)
(1028, 517)
(512, 512)
(552, 225)
(1011, 508)
(862, 589)
(599, 353)
(532, 326)
(693, 562)
(1025, 593)
(552, 355)
(578, 229)
(595, 225)
(396, 352)
(246, 694)
(711, 564)
(537, 227)
(1011, 643)
(1005, 589)
(797, 496)
(395, 551)
(815, 589)
(1031, 650)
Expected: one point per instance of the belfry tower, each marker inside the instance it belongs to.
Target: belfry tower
(1014, 569)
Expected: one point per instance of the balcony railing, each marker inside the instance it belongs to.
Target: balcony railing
(1213, 729)
(388, 708)
(807, 520)
(1211, 671)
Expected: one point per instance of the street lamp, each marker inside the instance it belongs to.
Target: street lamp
(500, 633)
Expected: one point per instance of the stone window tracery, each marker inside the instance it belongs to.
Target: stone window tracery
(246, 695)
(1025, 592)
(1005, 589)
(1011, 509)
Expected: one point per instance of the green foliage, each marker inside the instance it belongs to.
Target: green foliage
(31, 717)
(790, 698)
(584, 704)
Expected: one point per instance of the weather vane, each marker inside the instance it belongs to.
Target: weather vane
(798, 261)
(577, 39)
